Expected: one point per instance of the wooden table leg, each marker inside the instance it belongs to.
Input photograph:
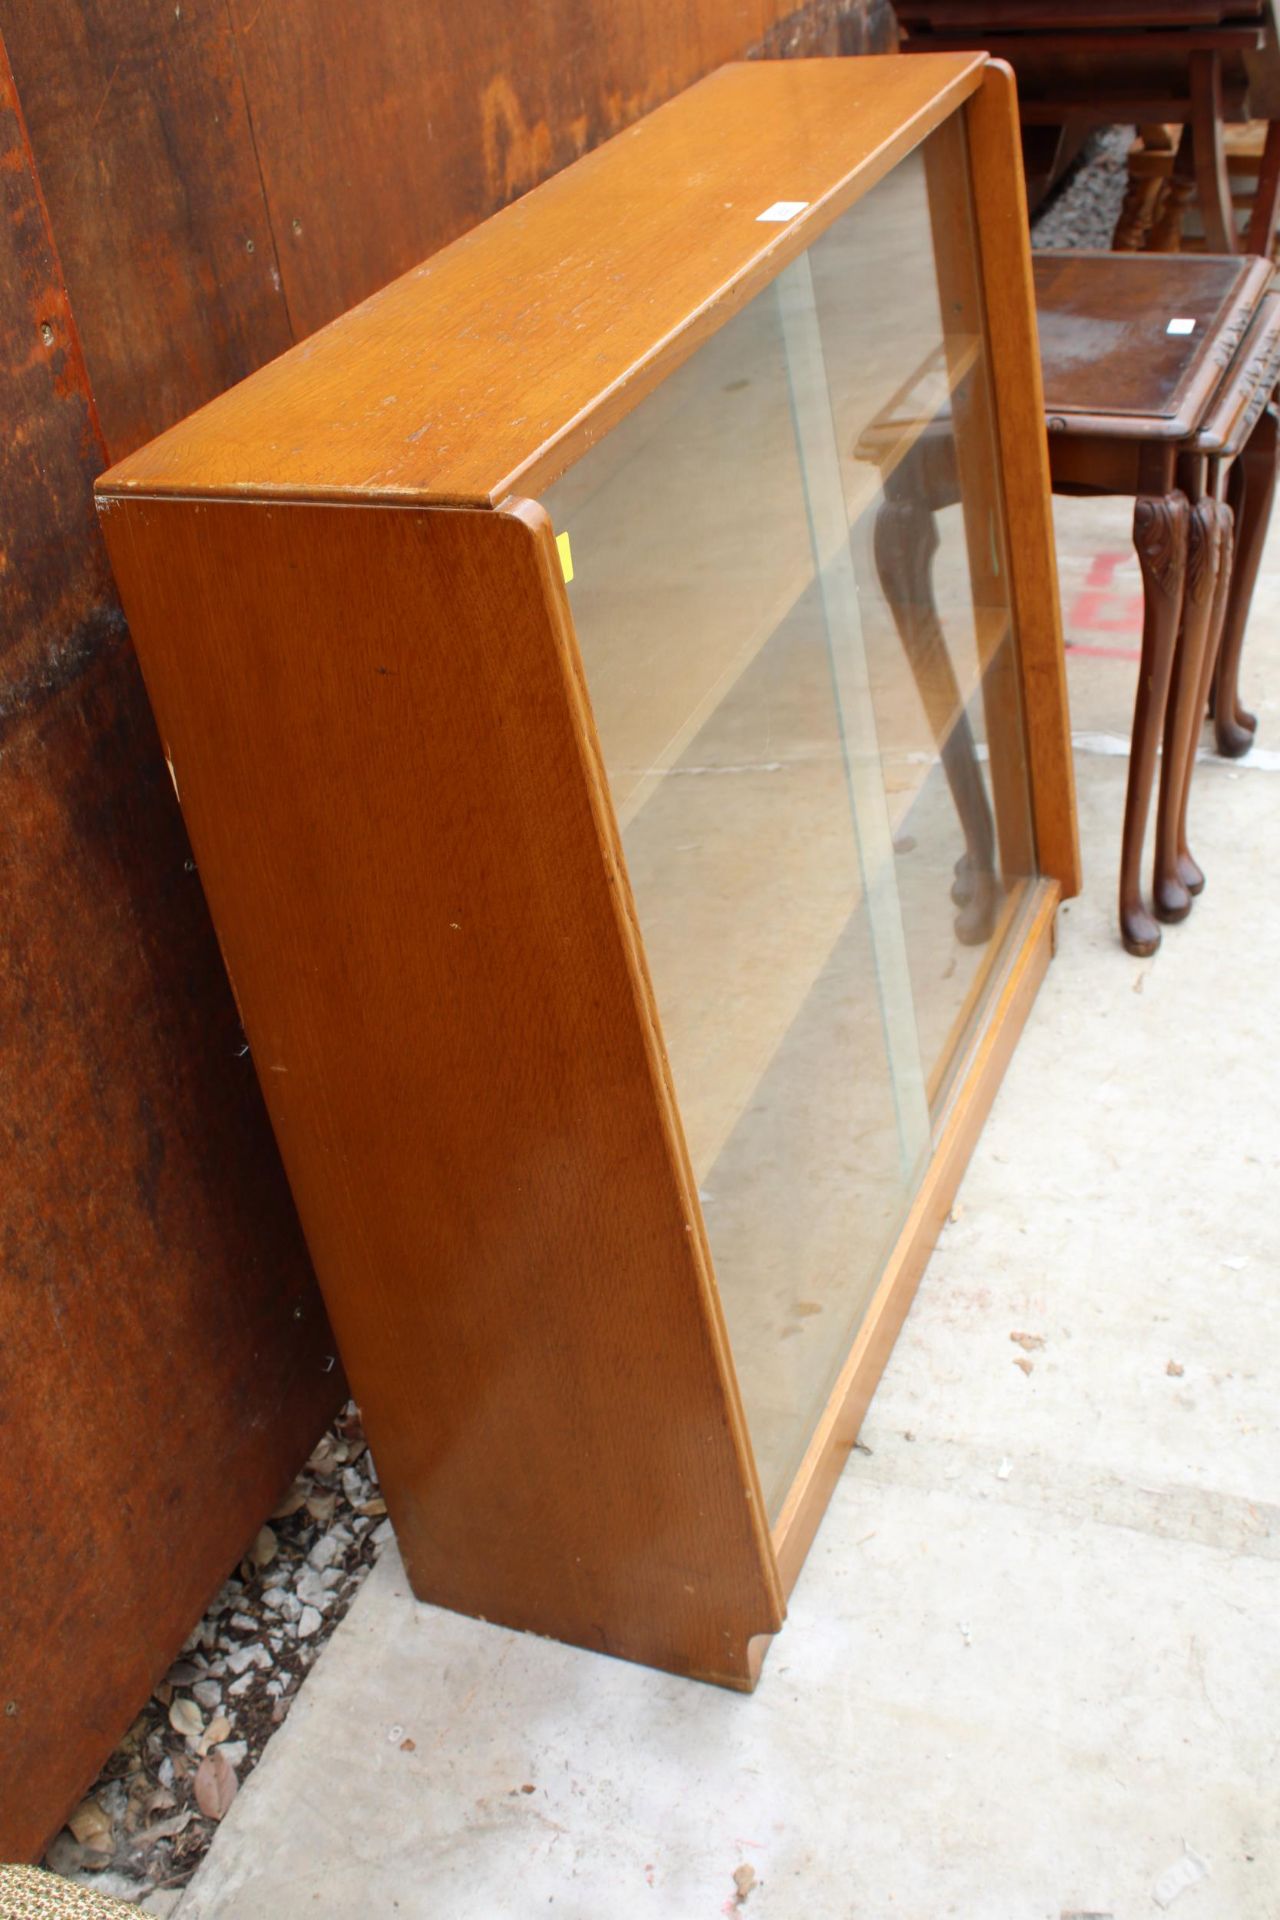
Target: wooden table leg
(1149, 167)
(1160, 524)
(906, 539)
(1188, 869)
(1266, 198)
(1251, 488)
(1213, 183)
(1183, 713)
(1166, 234)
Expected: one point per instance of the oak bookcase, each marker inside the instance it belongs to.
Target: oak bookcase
(631, 917)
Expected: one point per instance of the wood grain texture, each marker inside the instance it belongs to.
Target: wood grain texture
(156, 1389)
(476, 108)
(1011, 1001)
(174, 138)
(1000, 212)
(413, 865)
(142, 136)
(454, 384)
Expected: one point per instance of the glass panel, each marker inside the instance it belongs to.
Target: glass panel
(772, 721)
(910, 395)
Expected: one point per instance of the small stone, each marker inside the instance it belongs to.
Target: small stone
(382, 1534)
(234, 1752)
(274, 1599)
(243, 1624)
(309, 1624)
(311, 1588)
(208, 1693)
(243, 1658)
(65, 1854)
(240, 1686)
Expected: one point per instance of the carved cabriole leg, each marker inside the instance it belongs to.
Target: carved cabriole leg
(1188, 869)
(906, 540)
(1251, 487)
(1160, 536)
(1183, 715)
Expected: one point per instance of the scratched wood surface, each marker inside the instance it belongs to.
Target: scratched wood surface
(156, 1389)
(454, 383)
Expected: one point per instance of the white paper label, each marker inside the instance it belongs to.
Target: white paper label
(1181, 326)
(783, 210)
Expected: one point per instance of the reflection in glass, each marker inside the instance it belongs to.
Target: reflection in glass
(789, 596)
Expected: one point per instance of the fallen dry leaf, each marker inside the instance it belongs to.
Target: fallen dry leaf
(744, 1878)
(215, 1733)
(264, 1548)
(1028, 1366)
(216, 1786)
(1027, 1341)
(167, 1829)
(1176, 1368)
(408, 1746)
(321, 1507)
(293, 1500)
(373, 1509)
(186, 1718)
(91, 1826)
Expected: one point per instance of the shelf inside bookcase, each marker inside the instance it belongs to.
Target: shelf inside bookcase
(668, 629)
(747, 870)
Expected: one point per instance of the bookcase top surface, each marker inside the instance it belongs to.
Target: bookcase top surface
(489, 368)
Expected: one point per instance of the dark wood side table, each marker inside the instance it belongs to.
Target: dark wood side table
(1158, 370)
(1158, 373)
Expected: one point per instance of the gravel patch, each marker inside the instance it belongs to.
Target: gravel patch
(1083, 209)
(143, 1829)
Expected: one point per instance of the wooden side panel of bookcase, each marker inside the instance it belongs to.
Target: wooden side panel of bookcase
(375, 721)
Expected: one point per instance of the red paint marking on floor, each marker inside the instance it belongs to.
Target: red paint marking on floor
(1126, 614)
(1104, 653)
(1102, 607)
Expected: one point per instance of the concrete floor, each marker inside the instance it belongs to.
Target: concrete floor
(1031, 1666)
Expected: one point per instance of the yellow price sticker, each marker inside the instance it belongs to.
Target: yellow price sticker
(566, 556)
